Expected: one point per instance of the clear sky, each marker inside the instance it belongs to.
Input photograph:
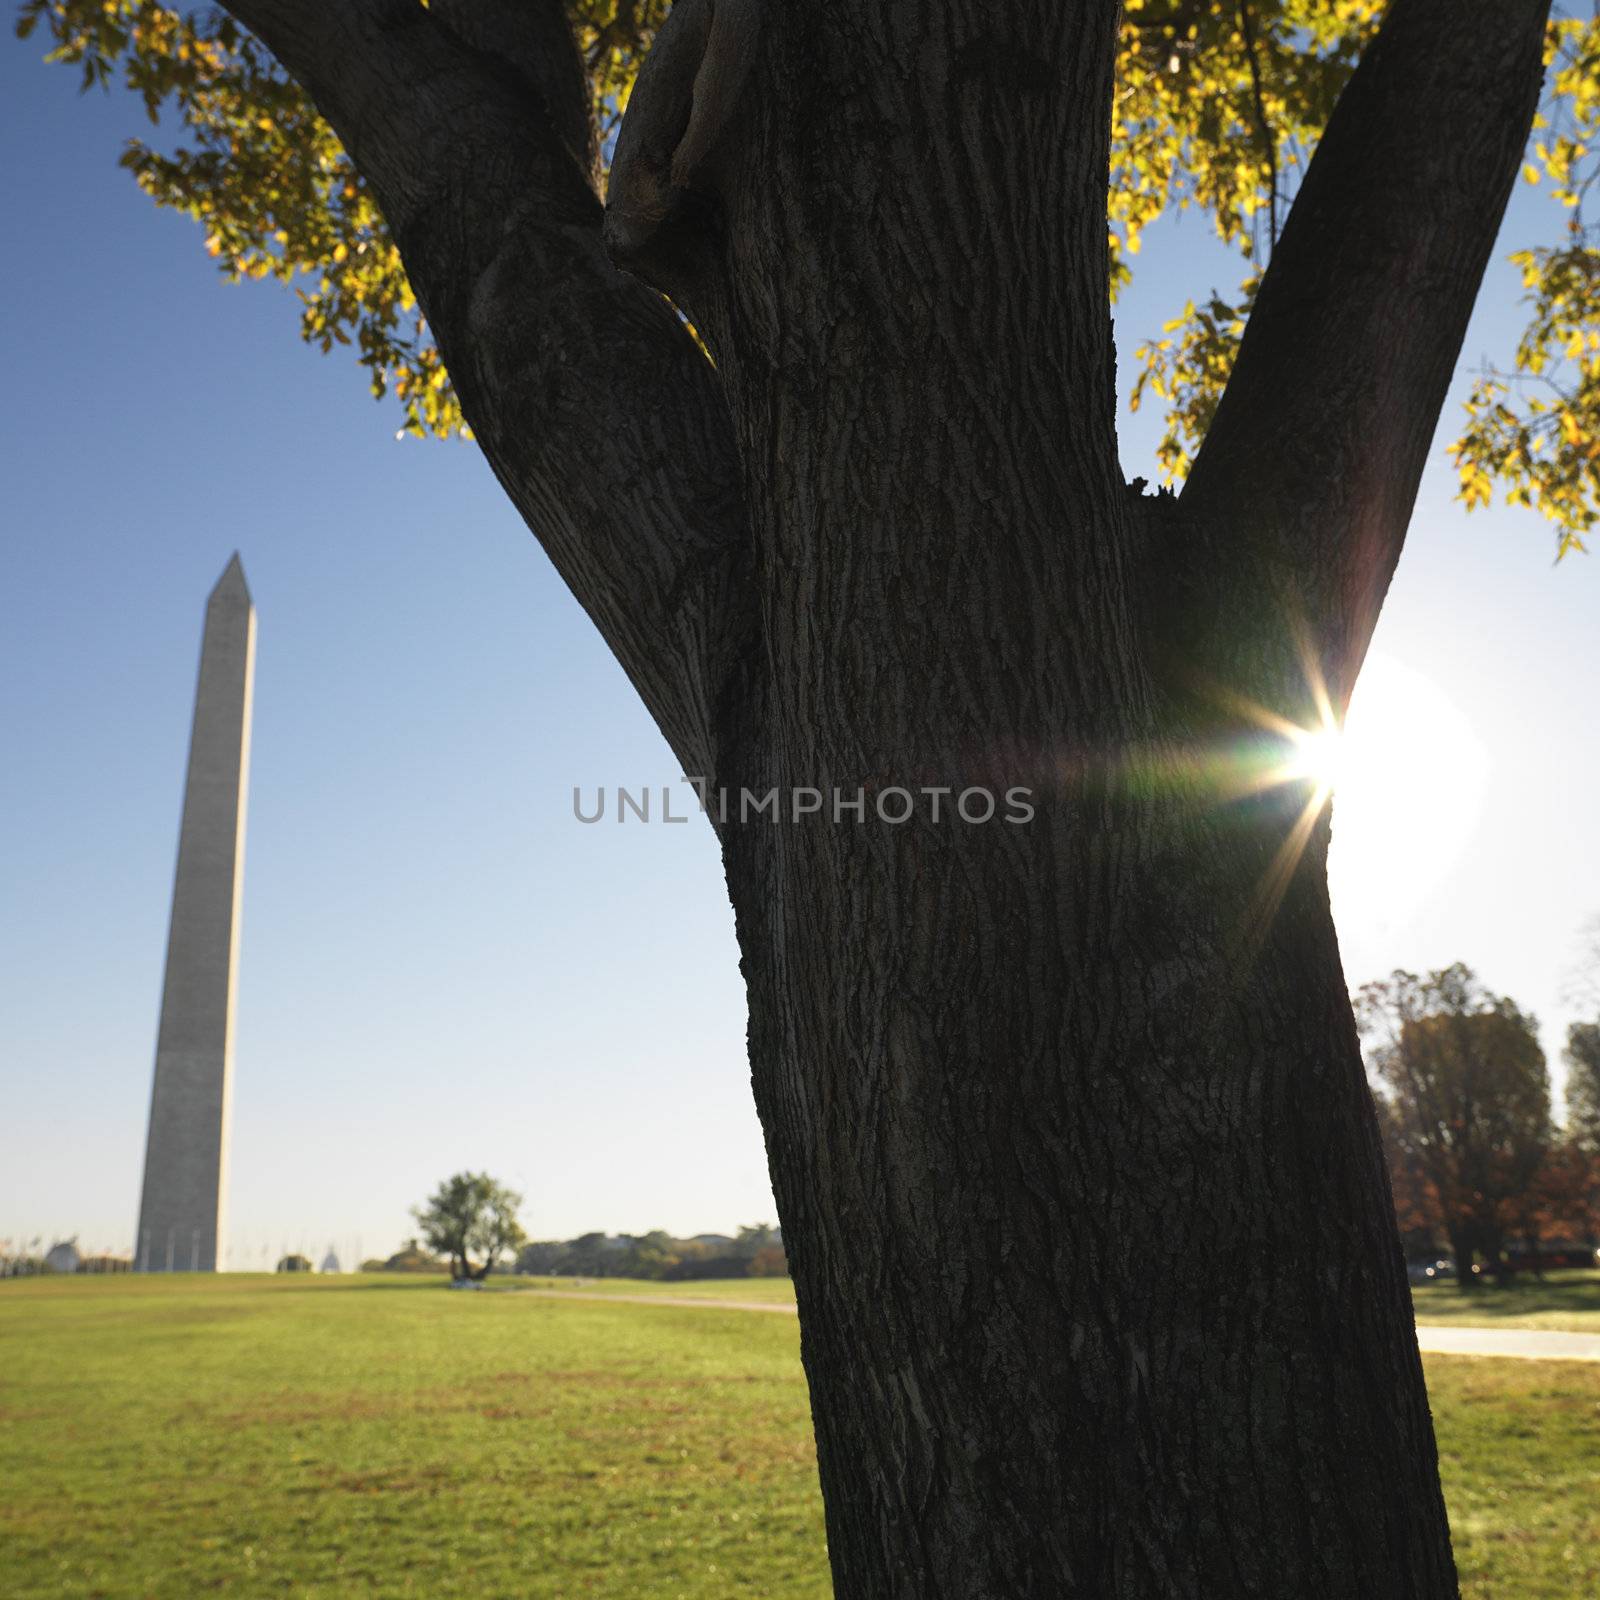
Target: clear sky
(441, 967)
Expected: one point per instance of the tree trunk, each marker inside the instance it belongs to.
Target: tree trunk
(1461, 1247)
(1086, 1212)
(1079, 1177)
(1099, 1283)
(1494, 1249)
(1098, 1275)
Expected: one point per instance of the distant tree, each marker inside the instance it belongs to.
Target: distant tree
(714, 1264)
(1417, 1211)
(589, 1256)
(754, 1238)
(757, 1252)
(471, 1215)
(648, 1255)
(1561, 1204)
(411, 1257)
(1582, 1057)
(1466, 1083)
(541, 1256)
(769, 1262)
(294, 1263)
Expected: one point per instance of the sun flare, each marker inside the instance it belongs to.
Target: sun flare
(1317, 755)
(1407, 776)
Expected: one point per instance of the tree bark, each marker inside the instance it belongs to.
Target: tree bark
(1080, 1183)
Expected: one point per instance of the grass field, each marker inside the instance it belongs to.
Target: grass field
(257, 1436)
(1567, 1302)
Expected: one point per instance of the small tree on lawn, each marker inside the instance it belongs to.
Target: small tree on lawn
(471, 1215)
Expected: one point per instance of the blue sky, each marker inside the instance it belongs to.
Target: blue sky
(441, 968)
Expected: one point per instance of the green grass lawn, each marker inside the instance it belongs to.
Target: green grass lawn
(780, 1291)
(1519, 1454)
(1562, 1301)
(258, 1436)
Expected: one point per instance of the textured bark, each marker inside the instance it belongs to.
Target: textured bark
(598, 413)
(1080, 1183)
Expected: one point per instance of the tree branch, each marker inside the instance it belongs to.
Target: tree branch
(598, 413)
(1308, 474)
(1269, 139)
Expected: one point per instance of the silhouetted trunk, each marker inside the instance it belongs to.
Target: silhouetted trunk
(1078, 1172)
(1462, 1248)
(1533, 1246)
(1495, 1258)
(1098, 1277)
(1084, 1201)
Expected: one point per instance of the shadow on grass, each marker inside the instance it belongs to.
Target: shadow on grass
(1560, 1294)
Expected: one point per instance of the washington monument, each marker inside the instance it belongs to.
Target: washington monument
(182, 1209)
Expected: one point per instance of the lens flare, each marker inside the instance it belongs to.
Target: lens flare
(1316, 756)
(1308, 757)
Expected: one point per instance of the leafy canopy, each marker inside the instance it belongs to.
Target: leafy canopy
(471, 1215)
(1582, 1057)
(1464, 1087)
(1219, 106)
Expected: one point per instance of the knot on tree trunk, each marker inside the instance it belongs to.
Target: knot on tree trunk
(664, 168)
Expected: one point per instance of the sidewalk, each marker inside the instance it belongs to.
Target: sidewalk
(1528, 1344)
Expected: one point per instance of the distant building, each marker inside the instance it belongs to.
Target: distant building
(182, 1221)
(62, 1257)
(330, 1262)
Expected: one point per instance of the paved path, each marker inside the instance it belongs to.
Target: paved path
(705, 1302)
(1528, 1344)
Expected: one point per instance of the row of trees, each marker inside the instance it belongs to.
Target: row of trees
(1477, 1162)
(469, 1225)
(756, 1252)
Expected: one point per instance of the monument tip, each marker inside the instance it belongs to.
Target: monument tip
(231, 584)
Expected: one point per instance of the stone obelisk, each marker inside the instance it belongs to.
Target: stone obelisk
(182, 1210)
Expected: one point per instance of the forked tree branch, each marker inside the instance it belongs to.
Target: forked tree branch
(597, 411)
(1308, 475)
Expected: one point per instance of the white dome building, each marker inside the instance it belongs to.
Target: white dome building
(62, 1257)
